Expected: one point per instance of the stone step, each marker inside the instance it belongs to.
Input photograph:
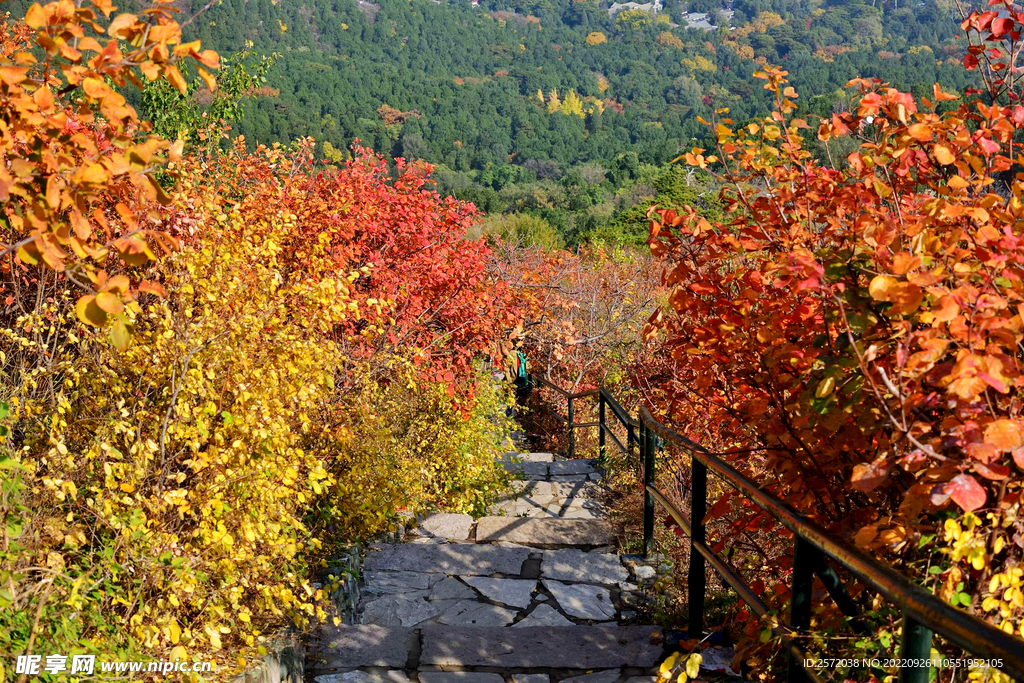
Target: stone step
(529, 457)
(450, 558)
(348, 647)
(526, 508)
(541, 532)
(547, 491)
(578, 647)
(540, 467)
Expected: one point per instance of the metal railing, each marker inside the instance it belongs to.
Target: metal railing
(923, 614)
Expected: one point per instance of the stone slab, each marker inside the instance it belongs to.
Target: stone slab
(521, 507)
(582, 600)
(536, 457)
(560, 489)
(718, 659)
(581, 513)
(530, 678)
(581, 567)
(532, 470)
(569, 477)
(607, 676)
(451, 589)
(364, 677)
(512, 592)
(446, 525)
(405, 609)
(544, 615)
(582, 647)
(543, 532)
(346, 646)
(459, 677)
(644, 573)
(380, 583)
(573, 467)
(450, 558)
(516, 464)
(473, 613)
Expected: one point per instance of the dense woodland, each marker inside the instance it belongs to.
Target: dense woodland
(553, 108)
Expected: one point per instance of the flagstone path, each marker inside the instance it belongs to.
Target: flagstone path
(534, 593)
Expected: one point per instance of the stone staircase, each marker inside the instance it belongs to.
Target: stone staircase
(533, 593)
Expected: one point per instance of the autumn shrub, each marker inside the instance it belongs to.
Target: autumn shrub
(169, 482)
(850, 337)
(205, 354)
(580, 313)
(401, 462)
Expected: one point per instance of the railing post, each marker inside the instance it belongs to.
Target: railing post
(600, 428)
(915, 643)
(805, 561)
(572, 431)
(695, 580)
(647, 445)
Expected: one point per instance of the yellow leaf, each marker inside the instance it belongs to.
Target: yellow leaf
(35, 17)
(174, 631)
(693, 665)
(88, 312)
(214, 635)
(119, 336)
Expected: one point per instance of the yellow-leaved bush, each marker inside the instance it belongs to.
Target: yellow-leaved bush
(176, 499)
(402, 461)
(170, 484)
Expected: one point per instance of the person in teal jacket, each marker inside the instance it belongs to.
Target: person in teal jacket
(520, 377)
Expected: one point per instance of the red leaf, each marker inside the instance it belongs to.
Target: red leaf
(1001, 26)
(870, 475)
(1018, 457)
(966, 492)
(993, 471)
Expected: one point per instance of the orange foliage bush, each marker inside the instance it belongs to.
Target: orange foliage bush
(852, 334)
(75, 160)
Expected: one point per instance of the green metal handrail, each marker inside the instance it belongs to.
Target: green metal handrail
(923, 613)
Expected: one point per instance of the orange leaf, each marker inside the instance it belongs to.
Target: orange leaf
(121, 22)
(870, 475)
(921, 132)
(175, 78)
(882, 286)
(154, 288)
(1004, 434)
(109, 302)
(943, 155)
